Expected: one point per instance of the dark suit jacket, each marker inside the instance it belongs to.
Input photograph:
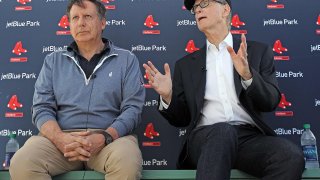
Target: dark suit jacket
(189, 83)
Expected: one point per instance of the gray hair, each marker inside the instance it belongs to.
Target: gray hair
(100, 7)
(229, 16)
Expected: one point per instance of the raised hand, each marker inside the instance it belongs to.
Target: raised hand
(161, 83)
(240, 59)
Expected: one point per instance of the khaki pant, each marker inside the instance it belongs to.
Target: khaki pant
(39, 159)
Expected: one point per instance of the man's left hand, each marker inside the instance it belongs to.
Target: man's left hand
(75, 150)
(240, 59)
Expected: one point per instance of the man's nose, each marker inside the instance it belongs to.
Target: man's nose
(81, 21)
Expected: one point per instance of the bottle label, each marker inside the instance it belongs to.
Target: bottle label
(7, 160)
(310, 152)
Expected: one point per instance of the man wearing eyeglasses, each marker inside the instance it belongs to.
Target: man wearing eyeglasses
(220, 92)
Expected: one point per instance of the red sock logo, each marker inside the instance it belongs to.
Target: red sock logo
(150, 132)
(18, 49)
(191, 47)
(236, 22)
(274, 1)
(149, 22)
(283, 102)
(23, 1)
(146, 76)
(64, 22)
(278, 48)
(318, 21)
(106, 1)
(14, 103)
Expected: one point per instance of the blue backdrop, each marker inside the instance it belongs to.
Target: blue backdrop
(30, 31)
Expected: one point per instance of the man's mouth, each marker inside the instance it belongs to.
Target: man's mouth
(200, 18)
(81, 32)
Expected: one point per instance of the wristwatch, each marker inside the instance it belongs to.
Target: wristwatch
(108, 138)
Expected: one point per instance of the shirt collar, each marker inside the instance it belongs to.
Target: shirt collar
(228, 41)
(74, 47)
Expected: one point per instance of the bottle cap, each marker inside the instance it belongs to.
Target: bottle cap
(306, 126)
(12, 135)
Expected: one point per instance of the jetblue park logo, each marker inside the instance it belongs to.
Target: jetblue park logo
(292, 131)
(155, 162)
(289, 74)
(280, 22)
(16, 76)
(186, 22)
(14, 24)
(143, 48)
(114, 22)
(18, 132)
(46, 49)
(315, 47)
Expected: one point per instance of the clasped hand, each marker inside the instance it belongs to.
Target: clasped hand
(80, 146)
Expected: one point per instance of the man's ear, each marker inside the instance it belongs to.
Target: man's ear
(103, 23)
(227, 10)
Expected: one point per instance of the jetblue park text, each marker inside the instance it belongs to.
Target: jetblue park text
(53, 48)
(13, 76)
(293, 131)
(19, 132)
(148, 48)
(23, 24)
(272, 22)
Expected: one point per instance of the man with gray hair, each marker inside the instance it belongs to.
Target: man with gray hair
(87, 101)
(220, 92)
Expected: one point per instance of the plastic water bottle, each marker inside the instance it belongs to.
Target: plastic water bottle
(12, 147)
(309, 147)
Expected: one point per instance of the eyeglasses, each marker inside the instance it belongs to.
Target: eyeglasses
(203, 4)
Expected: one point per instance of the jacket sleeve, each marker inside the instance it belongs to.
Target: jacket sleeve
(177, 113)
(44, 104)
(264, 91)
(133, 97)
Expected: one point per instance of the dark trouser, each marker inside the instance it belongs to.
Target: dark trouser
(216, 149)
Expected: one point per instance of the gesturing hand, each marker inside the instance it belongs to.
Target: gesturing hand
(240, 59)
(161, 83)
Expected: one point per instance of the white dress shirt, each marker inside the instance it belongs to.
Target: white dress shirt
(221, 103)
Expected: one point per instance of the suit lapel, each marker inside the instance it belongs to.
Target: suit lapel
(198, 74)
(236, 76)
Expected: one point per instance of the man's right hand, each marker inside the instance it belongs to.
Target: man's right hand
(161, 83)
(60, 139)
(80, 145)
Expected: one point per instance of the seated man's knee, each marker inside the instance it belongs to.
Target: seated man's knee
(20, 164)
(289, 155)
(126, 160)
